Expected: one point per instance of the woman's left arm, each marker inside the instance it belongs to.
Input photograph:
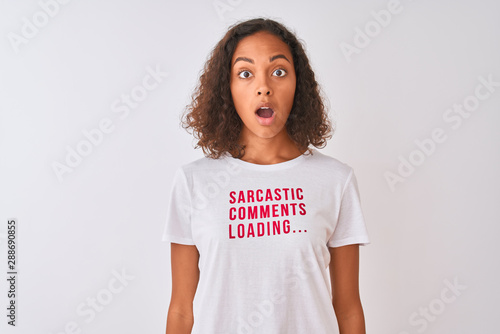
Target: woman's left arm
(344, 274)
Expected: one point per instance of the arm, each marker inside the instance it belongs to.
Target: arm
(185, 275)
(344, 274)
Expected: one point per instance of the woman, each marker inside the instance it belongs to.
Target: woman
(255, 225)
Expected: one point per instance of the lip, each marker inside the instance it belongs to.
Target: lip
(262, 120)
(264, 105)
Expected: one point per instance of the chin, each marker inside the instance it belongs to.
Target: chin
(267, 134)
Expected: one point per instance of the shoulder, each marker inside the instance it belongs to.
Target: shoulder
(205, 165)
(329, 165)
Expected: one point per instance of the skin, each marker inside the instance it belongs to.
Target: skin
(265, 144)
(185, 277)
(344, 274)
(264, 81)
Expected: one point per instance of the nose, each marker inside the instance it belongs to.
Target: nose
(263, 87)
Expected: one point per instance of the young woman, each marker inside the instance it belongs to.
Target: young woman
(259, 225)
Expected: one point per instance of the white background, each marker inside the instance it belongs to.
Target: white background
(106, 215)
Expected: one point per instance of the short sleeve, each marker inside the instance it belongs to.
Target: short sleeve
(351, 227)
(178, 221)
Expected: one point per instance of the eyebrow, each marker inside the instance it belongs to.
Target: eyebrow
(271, 59)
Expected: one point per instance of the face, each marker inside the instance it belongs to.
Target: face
(262, 85)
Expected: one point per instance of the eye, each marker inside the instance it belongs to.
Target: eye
(280, 72)
(244, 74)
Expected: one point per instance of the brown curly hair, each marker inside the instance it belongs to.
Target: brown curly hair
(212, 117)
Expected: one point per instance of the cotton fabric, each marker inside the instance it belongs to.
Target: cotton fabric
(263, 233)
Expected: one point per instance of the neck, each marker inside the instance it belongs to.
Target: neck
(267, 151)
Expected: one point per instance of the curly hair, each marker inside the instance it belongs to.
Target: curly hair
(212, 117)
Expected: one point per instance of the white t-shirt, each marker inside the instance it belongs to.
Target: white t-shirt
(263, 233)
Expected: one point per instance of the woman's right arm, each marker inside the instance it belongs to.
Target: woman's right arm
(185, 275)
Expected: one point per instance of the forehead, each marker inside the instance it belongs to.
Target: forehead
(261, 44)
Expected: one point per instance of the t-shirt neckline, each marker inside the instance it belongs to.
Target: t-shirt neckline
(271, 167)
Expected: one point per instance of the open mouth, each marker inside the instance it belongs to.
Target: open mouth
(265, 112)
